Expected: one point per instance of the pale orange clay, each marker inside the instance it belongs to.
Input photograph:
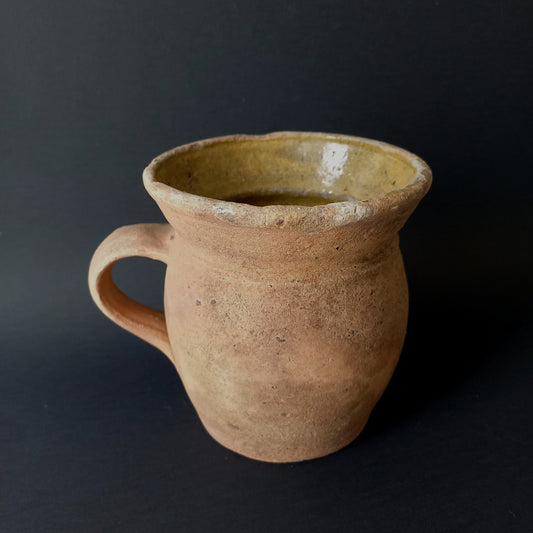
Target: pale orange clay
(284, 319)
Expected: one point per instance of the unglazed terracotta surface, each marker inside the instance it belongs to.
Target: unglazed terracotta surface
(285, 321)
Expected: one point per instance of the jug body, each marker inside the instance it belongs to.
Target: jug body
(285, 301)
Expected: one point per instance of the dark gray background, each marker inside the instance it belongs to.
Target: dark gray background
(96, 432)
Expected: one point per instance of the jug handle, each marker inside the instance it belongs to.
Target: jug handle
(144, 240)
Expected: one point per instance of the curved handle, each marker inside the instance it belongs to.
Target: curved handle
(145, 240)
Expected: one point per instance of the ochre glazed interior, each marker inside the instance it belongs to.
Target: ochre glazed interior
(303, 170)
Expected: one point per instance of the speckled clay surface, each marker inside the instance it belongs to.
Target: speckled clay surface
(285, 322)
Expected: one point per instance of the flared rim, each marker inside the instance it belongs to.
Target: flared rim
(330, 215)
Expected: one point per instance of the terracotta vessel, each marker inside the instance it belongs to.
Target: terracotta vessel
(284, 319)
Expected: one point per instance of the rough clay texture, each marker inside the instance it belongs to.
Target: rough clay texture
(285, 323)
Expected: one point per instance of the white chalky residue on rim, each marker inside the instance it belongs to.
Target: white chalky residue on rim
(223, 210)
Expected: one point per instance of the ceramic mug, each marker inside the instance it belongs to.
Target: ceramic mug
(285, 300)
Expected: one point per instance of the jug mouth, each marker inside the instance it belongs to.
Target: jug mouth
(306, 180)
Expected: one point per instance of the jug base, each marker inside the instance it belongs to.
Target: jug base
(289, 454)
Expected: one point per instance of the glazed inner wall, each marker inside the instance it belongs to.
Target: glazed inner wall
(230, 169)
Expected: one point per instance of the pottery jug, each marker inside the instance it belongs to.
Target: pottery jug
(285, 299)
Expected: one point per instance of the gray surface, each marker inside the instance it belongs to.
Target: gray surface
(96, 433)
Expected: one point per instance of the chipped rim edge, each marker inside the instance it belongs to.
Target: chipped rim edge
(331, 215)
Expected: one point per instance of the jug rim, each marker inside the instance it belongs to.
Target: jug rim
(307, 218)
